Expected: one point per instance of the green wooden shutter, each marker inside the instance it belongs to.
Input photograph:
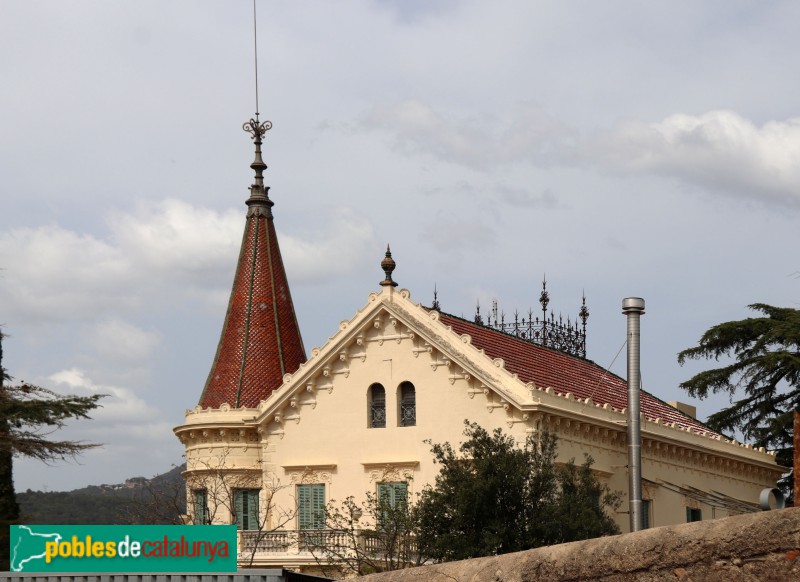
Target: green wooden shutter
(245, 506)
(318, 502)
(400, 491)
(385, 494)
(200, 508)
(251, 511)
(392, 493)
(238, 508)
(311, 506)
(303, 507)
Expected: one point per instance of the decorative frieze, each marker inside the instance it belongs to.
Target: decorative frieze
(391, 471)
(309, 474)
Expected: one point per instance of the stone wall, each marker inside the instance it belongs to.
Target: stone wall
(758, 546)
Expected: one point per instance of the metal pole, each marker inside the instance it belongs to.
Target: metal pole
(633, 308)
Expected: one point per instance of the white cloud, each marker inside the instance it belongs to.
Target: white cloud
(171, 236)
(53, 271)
(153, 259)
(134, 437)
(120, 407)
(720, 150)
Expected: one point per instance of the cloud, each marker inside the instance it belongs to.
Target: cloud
(49, 269)
(341, 248)
(171, 236)
(529, 134)
(54, 274)
(719, 150)
(152, 260)
(120, 407)
(134, 437)
(120, 341)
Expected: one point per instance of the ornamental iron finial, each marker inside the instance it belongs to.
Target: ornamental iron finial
(584, 312)
(584, 315)
(478, 318)
(544, 298)
(388, 265)
(259, 202)
(435, 306)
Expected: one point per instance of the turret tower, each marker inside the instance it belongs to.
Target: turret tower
(260, 340)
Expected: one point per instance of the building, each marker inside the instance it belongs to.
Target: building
(275, 435)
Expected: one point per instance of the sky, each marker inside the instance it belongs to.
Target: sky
(618, 148)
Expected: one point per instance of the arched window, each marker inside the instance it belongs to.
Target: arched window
(377, 406)
(408, 404)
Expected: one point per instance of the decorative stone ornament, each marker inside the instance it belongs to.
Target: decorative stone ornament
(388, 265)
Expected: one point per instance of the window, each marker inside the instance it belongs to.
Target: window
(408, 404)
(201, 507)
(693, 515)
(646, 508)
(311, 506)
(377, 406)
(245, 504)
(390, 496)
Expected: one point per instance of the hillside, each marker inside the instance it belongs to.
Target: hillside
(159, 500)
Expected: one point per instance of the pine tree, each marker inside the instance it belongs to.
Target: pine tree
(766, 351)
(28, 414)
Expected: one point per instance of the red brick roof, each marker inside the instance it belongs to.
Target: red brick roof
(546, 367)
(260, 339)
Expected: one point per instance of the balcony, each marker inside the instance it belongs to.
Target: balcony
(296, 548)
(287, 547)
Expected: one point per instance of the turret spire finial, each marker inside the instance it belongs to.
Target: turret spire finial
(259, 194)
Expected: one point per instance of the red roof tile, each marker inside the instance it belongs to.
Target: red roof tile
(546, 367)
(260, 340)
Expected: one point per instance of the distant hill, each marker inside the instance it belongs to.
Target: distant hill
(159, 500)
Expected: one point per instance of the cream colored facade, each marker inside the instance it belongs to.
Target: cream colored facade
(315, 429)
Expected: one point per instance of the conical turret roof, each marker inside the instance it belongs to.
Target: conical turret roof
(260, 340)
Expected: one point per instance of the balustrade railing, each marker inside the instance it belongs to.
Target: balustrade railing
(307, 541)
(290, 541)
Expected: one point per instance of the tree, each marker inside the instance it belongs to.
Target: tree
(378, 535)
(28, 416)
(766, 351)
(497, 497)
(158, 501)
(219, 492)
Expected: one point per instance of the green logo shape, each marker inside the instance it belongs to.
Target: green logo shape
(123, 548)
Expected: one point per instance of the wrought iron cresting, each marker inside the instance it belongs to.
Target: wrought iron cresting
(565, 336)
